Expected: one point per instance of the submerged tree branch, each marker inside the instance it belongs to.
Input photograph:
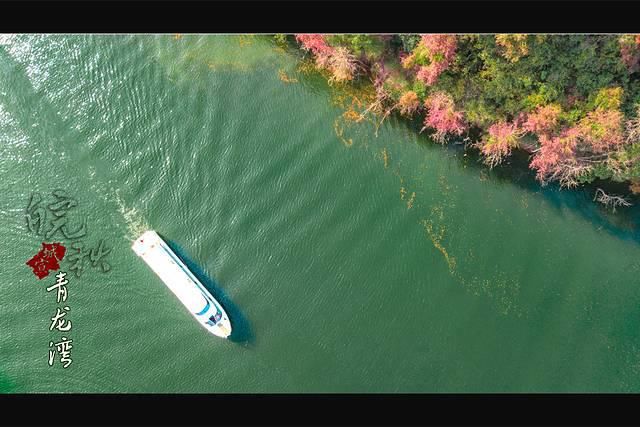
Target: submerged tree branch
(610, 200)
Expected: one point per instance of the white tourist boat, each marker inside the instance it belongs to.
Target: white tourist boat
(182, 282)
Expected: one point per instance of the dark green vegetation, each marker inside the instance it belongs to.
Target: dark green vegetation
(571, 101)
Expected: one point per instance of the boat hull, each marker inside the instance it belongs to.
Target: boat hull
(183, 283)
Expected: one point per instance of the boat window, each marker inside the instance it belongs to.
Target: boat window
(213, 319)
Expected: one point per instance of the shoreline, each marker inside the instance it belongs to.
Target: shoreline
(600, 120)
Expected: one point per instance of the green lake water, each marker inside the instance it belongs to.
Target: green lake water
(348, 262)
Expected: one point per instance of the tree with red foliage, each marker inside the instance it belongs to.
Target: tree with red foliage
(342, 64)
(630, 51)
(555, 160)
(544, 120)
(601, 131)
(575, 151)
(502, 137)
(408, 103)
(442, 117)
(315, 43)
(434, 54)
(339, 60)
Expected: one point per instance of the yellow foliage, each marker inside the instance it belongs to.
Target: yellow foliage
(408, 103)
(285, 78)
(514, 45)
(337, 127)
(609, 98)
(306, 67)
(352, 116)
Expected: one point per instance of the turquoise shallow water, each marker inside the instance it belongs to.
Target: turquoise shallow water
(348, 262)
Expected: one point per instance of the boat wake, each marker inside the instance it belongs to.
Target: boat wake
(134, 221)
